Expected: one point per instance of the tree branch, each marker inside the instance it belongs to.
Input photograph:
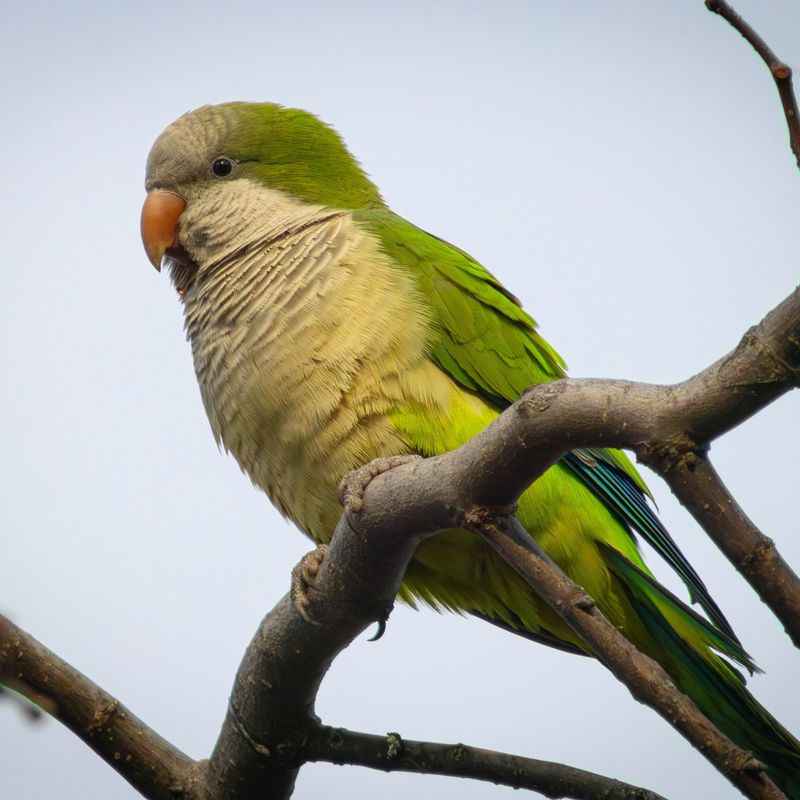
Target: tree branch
(271, 710)
(647, 681)
(780, 71)
(666, 426)
(270, 729)
(658, 422)
(477, 485)
(669, 428)
(272, 701)
(392, 753)
(695, 482)
(149, 763)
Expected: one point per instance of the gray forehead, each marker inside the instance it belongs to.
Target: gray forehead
(186, 147)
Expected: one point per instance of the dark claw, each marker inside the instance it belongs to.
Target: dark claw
(383, 617)
(381, 630)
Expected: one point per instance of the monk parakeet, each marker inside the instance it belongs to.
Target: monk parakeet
(327, 331)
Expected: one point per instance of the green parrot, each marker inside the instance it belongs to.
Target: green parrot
(326, 331)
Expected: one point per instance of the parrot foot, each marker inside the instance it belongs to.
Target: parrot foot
(353, 485)
(304, 577)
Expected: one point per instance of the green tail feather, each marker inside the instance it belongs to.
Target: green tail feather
(685, 644)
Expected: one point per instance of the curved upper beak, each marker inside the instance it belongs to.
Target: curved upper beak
(160, 215)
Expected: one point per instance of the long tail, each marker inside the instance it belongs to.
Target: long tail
(688, 647)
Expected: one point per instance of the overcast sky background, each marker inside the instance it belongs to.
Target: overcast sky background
(621, 166)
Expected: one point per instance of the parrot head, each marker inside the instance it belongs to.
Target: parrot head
(208, 157)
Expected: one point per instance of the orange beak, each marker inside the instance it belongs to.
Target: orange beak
(160, 214)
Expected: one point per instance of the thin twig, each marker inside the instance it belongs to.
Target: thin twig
(392, 753)
(698, 487)
(779, 70)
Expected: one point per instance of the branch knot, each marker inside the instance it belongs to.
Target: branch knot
(479, 518)
(536, 399)
(764, 549)
(394, 745)
(665, 455)
(745, 761)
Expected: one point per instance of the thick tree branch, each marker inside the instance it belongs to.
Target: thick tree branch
(780, 71)
(392, 753)
(148, 762)
(271, 707)
(660, 423)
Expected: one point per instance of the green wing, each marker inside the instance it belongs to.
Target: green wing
(487, 342)
(490, 345)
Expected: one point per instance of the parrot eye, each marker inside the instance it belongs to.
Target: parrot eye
(222, 167)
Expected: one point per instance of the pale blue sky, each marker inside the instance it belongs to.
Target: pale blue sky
(621, 166)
